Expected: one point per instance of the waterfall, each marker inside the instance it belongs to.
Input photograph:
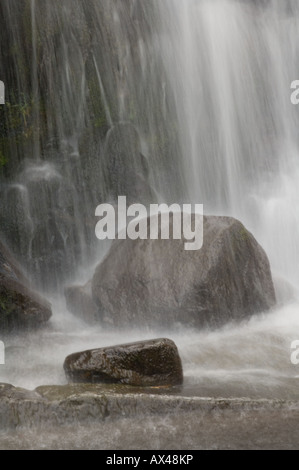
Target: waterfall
(230, 64)
(189, 97)
(86, 119)
(171, 100)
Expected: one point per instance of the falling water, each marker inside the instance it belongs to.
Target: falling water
(191, 99)
(232, 65)
(86, 93)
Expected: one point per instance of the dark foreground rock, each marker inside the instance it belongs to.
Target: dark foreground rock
(157, 282)
(20, 308)
(145, 363)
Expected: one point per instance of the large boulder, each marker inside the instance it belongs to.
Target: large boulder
(145, 363)
(157, 282)
(20, 307)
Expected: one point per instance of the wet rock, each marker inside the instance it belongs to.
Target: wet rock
(145, 363)
(9, 268)
(20, 307)
(61, 408)
(15, 220)
(158, 282)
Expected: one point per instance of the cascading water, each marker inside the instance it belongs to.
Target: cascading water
(188, 100)
(232, 65)
(86, 111)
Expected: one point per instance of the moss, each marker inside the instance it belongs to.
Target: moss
(244, 234)
(96, 105)
(5, 306)
(3, 159)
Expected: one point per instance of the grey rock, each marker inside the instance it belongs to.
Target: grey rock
(10, 392)
(157, 282)
(145, 363)
(86, 404)
(9, 268)
(20, 307)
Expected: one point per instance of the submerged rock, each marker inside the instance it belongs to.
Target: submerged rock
(157, 282)
(145, 363)
(20, 307)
